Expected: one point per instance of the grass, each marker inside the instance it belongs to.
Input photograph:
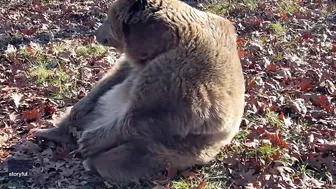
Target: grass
(267, 151)
(273, 119)
(187, 184)
(224, 7)
(270, 117)
(53, 72)
(90, 50)
(277, 28)
(59, 47)
(181, 184)
(48, 71)
(288, 6)
(49, 2)
(242, 135)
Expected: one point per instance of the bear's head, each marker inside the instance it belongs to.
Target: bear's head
(141, 29)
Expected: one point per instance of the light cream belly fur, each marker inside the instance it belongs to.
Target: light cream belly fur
(113, 104)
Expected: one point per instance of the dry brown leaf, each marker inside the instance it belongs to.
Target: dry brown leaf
(306, 85)
(61, 153)
(31, 115)
(276, 140)
(320, 160)
(271, 68)
(189, 175)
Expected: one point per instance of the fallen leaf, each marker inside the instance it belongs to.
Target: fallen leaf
(202, 185)
(61, 153)
(271, 68)
(283, 16)
(306, 85)
(276, 140)
(29, 31)
(31, 114)
(240, 41)
(324, 102)
(189, 175)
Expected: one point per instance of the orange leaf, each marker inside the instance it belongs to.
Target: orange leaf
(282, 116)
(30, 50)
(305, 85)
(276, 156)
(283, 16)
(258, 21)
(271, 68)
(276, 140)
(240, 41)
(240, 53)
(248, 53)
(274, 108)
(324, 103)
(243, 53)
(31, 115)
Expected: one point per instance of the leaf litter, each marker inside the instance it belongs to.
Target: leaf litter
(49, 60)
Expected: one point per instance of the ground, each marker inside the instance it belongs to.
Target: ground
(49, 60)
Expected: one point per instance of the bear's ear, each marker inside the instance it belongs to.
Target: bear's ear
(137, 5)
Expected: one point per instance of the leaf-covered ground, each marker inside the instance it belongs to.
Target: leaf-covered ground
(49, 60)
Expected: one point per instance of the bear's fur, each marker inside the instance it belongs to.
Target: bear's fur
(176, 98)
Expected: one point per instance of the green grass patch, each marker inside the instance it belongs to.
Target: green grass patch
(267, 151)
(288, 6)
(59, 47)
(250, 4)
(48, 71)
(277, 57)
(242, 135)
(220, 8)
(273, 119)
(277, 28)
(90, 50)
(182, 184)
(304, 171)
(224, 7)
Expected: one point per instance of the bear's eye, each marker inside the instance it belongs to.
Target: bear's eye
(105, 41)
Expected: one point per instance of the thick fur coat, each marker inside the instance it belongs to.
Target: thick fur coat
(175, 98)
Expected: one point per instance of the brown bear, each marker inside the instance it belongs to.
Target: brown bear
(176, 97)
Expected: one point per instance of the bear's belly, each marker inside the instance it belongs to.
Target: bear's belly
(113, 105)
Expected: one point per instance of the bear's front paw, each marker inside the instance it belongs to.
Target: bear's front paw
(89, 143)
